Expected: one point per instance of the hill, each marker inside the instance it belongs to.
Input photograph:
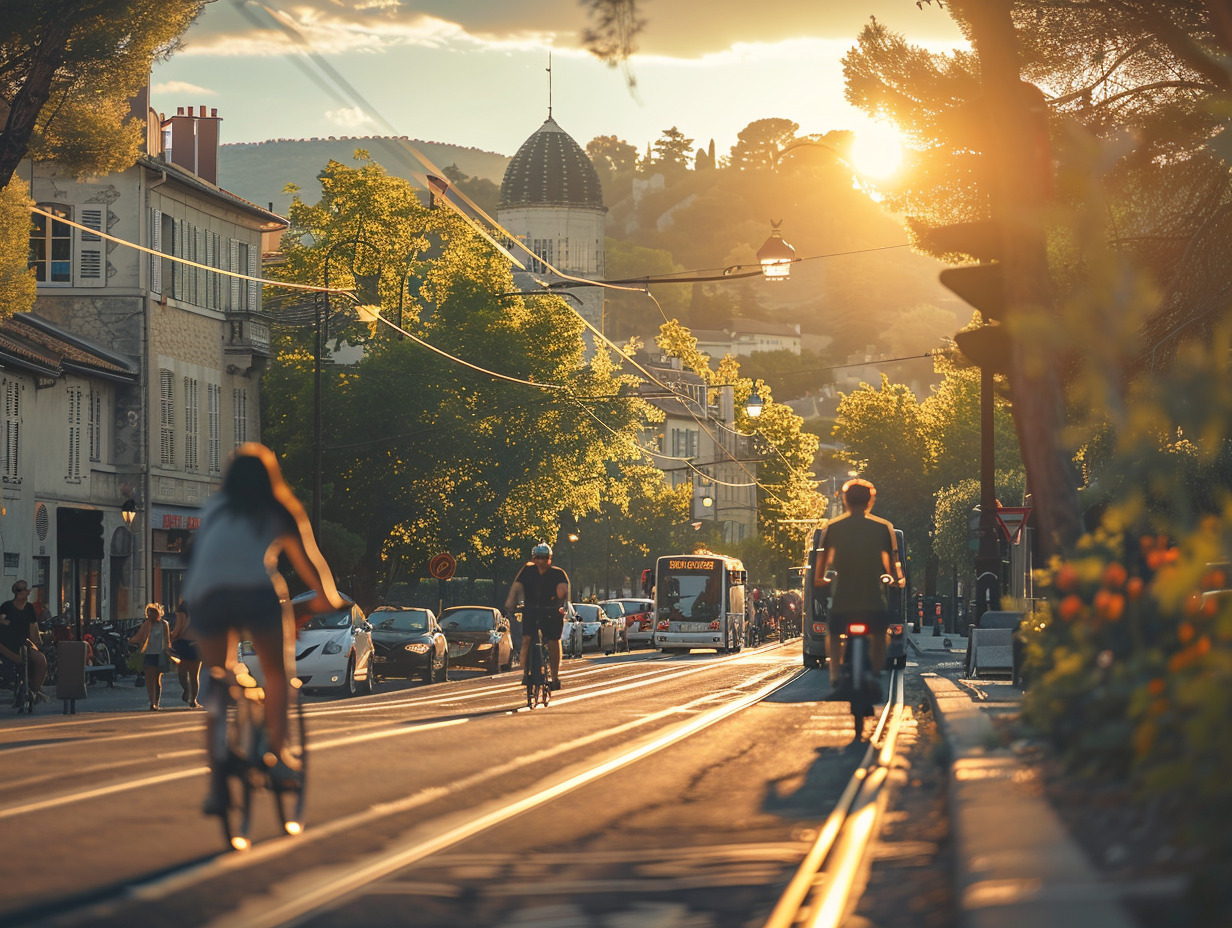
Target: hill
(258, 171)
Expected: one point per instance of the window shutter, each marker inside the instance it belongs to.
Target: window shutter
(215, 425)
(167, 418)
(201, 277)
(254, 288)
(156, 243)
(91, 262)
(234, 265)
(211, 258)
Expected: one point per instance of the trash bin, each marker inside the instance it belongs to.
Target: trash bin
(71, 669)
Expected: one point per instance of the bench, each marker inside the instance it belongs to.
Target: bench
(105, 672)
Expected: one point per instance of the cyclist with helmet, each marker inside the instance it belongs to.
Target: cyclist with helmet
(860, 548)
(544, 592)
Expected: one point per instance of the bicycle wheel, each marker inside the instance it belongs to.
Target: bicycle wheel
(290, 799)
(243, 750)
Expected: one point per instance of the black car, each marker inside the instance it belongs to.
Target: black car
(409, 642)
(478, 637)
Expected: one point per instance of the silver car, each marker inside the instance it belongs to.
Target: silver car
(598, 631)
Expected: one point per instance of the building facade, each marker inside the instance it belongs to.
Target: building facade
(194, 339)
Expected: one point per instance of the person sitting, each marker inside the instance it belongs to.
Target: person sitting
(18, 633)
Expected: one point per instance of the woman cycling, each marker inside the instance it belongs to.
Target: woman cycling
(233, 583)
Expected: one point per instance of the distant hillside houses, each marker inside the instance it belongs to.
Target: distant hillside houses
(746, 336)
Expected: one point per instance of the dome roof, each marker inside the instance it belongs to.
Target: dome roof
(550, 169)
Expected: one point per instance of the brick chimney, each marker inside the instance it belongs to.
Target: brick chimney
(192, 142)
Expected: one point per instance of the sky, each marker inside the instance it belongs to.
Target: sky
(473, 72)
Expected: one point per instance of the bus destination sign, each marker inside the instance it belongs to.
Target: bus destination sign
(692, 564)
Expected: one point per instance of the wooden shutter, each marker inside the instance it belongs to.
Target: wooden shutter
(90, 262)
(254, 268)
(234, 265)
(166, 385)
(156, 242)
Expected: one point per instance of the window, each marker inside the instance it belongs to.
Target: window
(191, 424)
(166, 395)
(171, 273)
(239, 400)
(94, 412)
(684, 443)
(51, 246)
(214, 401)
(12, 426)
(73, 469)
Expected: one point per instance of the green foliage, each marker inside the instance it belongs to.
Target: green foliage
(673, 151)
(952, 543)
(68, 70)
(758, 144)
(422, 453)
(17, 288)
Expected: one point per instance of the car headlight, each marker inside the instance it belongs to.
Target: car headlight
(416, 647)
(332, 647)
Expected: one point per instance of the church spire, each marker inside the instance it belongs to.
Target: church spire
(549, 83)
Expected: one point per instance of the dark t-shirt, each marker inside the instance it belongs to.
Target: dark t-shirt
(15, 624)
(540, 589)
(857, 541)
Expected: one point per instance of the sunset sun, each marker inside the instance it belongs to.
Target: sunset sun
(878, 149)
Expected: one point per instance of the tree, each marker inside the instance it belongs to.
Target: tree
(425, 454)
(673, 151)
(17, 289)
(758, 143)
(611, 155)
(68, 69)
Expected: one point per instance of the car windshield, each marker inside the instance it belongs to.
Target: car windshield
(636, 605)
(690, 588)
(329, 620)
(614, 610)
(587, 612)
(401, 620)
(469, 620)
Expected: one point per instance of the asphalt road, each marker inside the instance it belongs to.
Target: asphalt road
(653, 791)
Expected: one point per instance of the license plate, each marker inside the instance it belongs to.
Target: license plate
(379, 659)
(694, 626)
(457, 649)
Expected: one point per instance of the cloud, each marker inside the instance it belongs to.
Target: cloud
(349, 117)
(183, 87)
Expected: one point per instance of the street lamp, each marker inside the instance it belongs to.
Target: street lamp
(776, 256)
(129, 512)
(365, 284)
(754, 405)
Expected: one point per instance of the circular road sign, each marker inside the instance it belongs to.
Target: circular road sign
(442, 566)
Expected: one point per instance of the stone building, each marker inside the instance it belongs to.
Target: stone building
(552, 201)
(190, 341)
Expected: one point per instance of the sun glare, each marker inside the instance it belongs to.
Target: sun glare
(878, 149)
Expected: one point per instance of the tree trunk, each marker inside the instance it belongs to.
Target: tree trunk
(1019, 168)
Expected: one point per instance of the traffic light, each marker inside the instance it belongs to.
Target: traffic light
(980, 285)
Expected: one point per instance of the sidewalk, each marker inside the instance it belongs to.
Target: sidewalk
(123, 697)
(1015, 864)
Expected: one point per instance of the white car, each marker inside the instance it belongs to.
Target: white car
(598, 631)
(333, 651)
(571, 636)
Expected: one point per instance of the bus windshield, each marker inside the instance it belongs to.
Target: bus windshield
(689, 589)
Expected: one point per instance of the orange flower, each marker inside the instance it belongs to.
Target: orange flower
(1193, 604)
(1134, 587)
(1185, 632)
(1071, 607)
(1100, 602)
(1156, 686)
(1114, 576)
(1067, 578)
(1155, 559)
(1114, 608)
(1214, 579)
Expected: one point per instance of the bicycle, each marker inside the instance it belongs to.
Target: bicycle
(858, 684)
(538, 687)
(16, 677)
(241, 753)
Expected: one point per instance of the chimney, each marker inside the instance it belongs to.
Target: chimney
(194, 142)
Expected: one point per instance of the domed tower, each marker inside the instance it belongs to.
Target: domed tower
(551, 200)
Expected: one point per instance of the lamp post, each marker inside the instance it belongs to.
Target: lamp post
(776, 256)
(128, 512)
(367, 283)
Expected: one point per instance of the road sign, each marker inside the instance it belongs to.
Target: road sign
(1012, 519)
(442, 566)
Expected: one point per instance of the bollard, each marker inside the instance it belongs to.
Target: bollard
(936, 626)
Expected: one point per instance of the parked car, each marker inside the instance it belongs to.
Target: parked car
(614, 609)
(478, 637)
(598, 631)
(409, 643)
(639, 620)
(333, 651)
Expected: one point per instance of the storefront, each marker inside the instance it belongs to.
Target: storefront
(79, 550)
(172, 529)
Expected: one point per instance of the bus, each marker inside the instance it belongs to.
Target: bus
(699, 602)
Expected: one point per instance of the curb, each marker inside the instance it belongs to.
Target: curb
(1015, 866)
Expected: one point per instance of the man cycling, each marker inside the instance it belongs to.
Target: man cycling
(19, 629)
(544, 592)
(860, 548)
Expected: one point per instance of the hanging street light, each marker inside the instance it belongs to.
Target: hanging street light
(754, 405)
(776, 256)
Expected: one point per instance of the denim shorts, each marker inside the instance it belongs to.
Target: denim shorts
(257, 610)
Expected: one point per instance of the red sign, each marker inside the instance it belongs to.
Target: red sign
(1012, 519)
(442, 566)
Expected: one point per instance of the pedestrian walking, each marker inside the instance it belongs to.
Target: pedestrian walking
(184, 645)
(154, 639)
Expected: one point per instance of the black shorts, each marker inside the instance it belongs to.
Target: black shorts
(257, 610)
(186, 651)
(552, 623)
(878, 621)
